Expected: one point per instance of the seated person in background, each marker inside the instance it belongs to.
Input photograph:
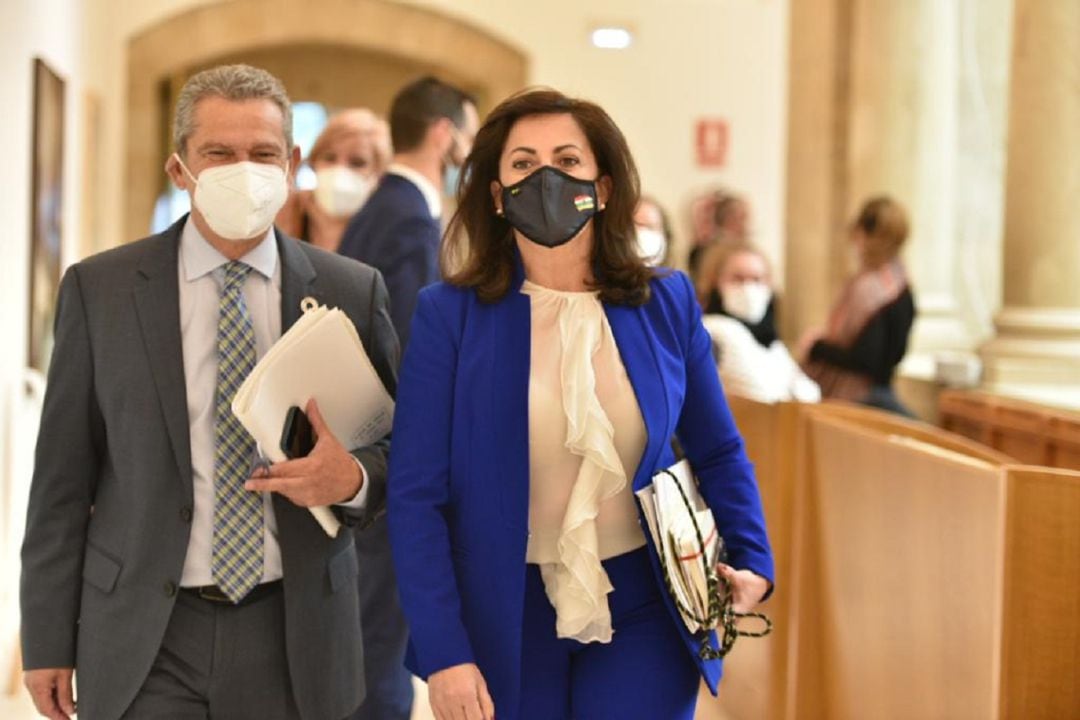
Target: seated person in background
(654, 236)
(855, 356)
(348, 157)
(719, 218)
(736, 293)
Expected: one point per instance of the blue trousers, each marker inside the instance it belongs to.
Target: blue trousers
(644, 673)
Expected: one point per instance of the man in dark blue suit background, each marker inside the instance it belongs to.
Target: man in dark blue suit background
(432, 125)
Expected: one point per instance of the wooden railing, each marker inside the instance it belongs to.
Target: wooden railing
(920, 574)
(1032, 433)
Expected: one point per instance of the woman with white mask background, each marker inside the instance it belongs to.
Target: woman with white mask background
(348, 158)
(736, 293)
(654, 236)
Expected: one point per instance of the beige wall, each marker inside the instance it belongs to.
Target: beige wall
(690, 59)
(359, 78)
(355, 42)
(50, 29)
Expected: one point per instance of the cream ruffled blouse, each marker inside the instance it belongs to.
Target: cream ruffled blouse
(586, 437)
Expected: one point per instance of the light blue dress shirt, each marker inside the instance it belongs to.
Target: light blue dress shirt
(202, 277)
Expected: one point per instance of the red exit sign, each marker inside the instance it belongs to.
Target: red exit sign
(711, 142)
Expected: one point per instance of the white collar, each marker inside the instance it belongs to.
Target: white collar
(200, 257)
(426, 187)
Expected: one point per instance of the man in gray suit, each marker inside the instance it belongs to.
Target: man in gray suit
(171, 578)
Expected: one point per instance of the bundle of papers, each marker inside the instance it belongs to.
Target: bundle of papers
(320, 357)
(672, 526)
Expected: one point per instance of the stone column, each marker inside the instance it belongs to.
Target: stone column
(875, 108)
(818, 95)
(904, 131)
(1036, 350)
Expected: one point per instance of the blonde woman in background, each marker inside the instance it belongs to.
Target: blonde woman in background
(349, 156)
(735, 289)
(855, 356)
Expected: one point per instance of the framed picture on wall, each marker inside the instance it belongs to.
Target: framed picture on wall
(46, 209)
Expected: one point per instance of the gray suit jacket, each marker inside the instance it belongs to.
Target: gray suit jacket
(111, 499)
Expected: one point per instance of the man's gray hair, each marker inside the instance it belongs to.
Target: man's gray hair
(232, 82)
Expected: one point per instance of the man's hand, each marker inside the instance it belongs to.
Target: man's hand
(326, 476)
(52, 692)
(747, 588)
(460, 693)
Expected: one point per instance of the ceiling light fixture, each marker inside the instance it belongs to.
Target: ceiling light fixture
(611, 38)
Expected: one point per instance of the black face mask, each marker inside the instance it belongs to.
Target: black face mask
(549, 207)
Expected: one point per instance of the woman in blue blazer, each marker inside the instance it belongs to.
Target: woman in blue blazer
(542, 385)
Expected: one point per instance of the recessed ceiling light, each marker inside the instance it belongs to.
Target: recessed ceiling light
(612, 38)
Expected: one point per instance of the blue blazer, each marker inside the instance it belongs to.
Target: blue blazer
(395, 233)
(458, 489)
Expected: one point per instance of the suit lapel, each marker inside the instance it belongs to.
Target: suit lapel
(511, 340)
(297, 278)
(634, 338)
(157, 305)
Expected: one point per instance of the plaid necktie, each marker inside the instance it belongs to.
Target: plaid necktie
(237, 561)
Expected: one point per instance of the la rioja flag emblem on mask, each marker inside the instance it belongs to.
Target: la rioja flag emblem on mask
(584, 202)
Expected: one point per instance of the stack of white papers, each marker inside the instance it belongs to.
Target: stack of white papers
(321, 357)
(672, 526)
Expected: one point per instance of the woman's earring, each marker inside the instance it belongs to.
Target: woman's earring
(499, 211)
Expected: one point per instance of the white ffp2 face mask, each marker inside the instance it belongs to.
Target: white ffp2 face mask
(651, 245)
(239, 201)
(747, 301)
(341, 192)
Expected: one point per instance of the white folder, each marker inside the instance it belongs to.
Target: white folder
(676, 538)
(321, 357)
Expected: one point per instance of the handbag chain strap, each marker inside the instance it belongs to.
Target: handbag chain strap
(720, 614)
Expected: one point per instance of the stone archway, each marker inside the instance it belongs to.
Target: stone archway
(406, 38)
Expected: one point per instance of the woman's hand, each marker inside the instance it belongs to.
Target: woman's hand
(747, 588)
(806, 343)
(460, 693)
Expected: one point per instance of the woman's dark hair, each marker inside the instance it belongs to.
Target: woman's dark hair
(479, 250)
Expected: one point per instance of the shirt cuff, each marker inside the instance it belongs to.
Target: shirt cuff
(360, 499)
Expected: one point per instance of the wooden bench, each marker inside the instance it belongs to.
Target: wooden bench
(920, 574)
(1032, 433)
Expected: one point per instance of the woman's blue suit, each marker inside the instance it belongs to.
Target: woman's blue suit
(458, 489)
